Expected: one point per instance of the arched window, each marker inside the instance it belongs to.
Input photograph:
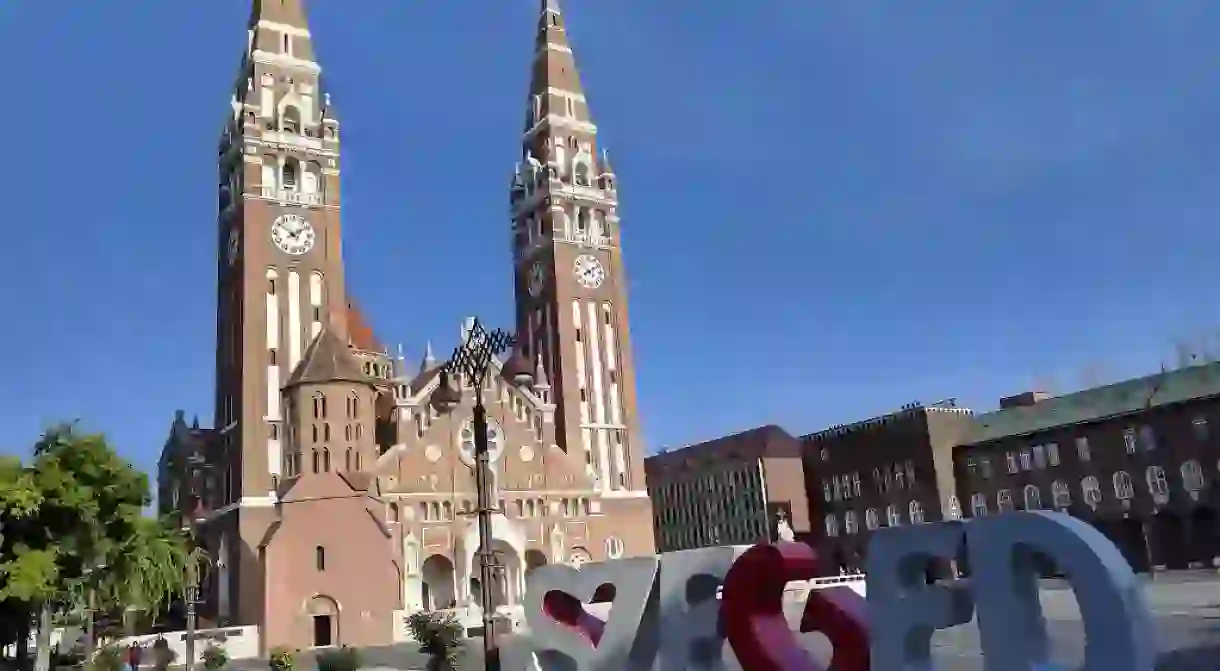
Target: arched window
(1122, 485)
(849, 522)
(291, 120)
(326, 459)
(436, 510)
(1192, 476)
(871, 519)
(1003, 501)
(319, 406)
(317, 462)
(1090, 490)
(353, 405)
(916, 512)
(893, 518)
(1061, 493)
(581, 173)
(1158, 484)
(423, 512)
(319, 558)
(955, 508)
(359, 466)
(1033, 497)
(832, 526)
(393, 512)
(347, 459)
(978, 505)
(289, 176)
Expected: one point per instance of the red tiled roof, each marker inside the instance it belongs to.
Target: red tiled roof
(359, 332)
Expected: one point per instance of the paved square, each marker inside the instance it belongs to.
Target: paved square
(1186, 607)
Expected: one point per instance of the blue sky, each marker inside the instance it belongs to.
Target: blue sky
(829, 209)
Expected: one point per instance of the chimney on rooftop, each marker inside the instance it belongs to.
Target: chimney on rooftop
(1023, 399)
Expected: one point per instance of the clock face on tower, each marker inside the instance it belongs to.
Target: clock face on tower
(589, 271)
(537, 279)
(292, 234)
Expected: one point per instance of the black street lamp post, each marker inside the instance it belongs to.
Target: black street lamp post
(200, 469)
(471, 361)
(192, 598)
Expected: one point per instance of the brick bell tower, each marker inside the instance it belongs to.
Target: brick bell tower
(571, 287)
(279, 280)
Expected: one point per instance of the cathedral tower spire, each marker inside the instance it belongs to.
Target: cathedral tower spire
(571, 285)
(280, 277)
(281, 12)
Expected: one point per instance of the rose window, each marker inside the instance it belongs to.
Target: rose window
(495, 441)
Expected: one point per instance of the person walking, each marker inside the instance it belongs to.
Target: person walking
(134, 651)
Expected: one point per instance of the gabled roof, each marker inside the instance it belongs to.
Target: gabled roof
(328, 359)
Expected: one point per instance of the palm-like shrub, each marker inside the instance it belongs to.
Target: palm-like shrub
(109, 657)
(215, 658)
(282, 659)
(439, 635)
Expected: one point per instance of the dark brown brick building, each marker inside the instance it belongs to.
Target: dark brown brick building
(728, 491)
(184, 485)
(1138, 459)
(887, 471)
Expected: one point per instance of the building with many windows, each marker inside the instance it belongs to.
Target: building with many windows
(736, 490)
(1138, 459)
(887, 471)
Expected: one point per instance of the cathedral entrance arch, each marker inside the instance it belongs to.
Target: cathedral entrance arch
(506, 590)
(507, 540)
(439, 584)
(324, 614)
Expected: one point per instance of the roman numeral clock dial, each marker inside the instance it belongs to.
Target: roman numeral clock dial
(293, 234)
(589, 271)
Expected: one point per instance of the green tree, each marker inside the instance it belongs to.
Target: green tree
(78, 528)
(19, 498)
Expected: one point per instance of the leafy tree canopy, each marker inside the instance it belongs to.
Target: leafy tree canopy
(73, 521)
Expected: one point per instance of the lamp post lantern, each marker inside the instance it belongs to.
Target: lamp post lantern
(471, 362)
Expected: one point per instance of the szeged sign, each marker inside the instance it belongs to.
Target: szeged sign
(667, 615)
